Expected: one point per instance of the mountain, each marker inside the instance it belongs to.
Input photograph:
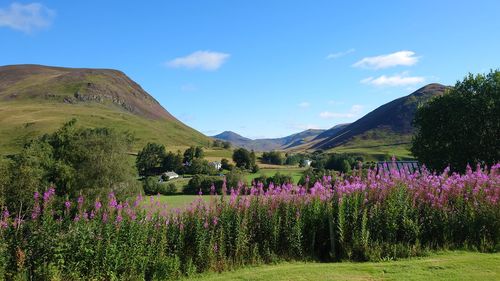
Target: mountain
(383, 130)
(269, 144)
(36, 99)
(233, 138)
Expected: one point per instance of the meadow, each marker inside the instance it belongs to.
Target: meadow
(364, 217)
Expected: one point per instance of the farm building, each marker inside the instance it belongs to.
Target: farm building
(217, 165)
(168, 176)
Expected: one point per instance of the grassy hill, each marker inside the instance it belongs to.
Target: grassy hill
(386, 130)
(37, 99)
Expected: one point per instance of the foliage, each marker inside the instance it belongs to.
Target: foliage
(235, 177)
(204, 184)
(462, 126)
(273, 157)
(78, 161)
(225, 165)
(222, 144)
(152, 186)
(172, 162)
(194, 152)
(150, 158)
(241, 157)
(200, 166)
(277, 179)
(377, 217)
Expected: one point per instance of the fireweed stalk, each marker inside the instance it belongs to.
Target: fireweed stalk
(382, 215)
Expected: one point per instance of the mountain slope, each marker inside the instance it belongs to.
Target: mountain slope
(389, 124)
(269, 144)
(36, 99)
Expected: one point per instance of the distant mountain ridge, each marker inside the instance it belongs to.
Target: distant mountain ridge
(36, 99)
(271, 143)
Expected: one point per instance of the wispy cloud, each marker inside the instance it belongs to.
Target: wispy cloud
(26, 17)
(205, 60)
(337, 55)
(304, 104)
(406, 58)
(401, 79)
(354, 111)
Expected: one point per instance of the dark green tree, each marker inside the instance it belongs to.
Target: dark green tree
(172, 162)
(226, 165)
(462, 126)
(150, 158)
(242, 158)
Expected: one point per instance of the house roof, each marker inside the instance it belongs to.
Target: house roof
(170, 174)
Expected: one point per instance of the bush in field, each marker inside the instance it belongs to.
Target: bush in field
(152, 186)
(380, 216)
(276, 179)
(462, 126)
(204, 184)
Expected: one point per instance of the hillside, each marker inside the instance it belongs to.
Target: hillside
(36, 99)
(386, 130)
(269, 144)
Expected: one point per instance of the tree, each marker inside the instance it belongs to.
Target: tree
(462, 126)
(242, 158)
(226, 165)
(272, 157)
(91, 162)
(198, 152)
(172, 162)
(226, 145)
(193, 153)
(149, 159)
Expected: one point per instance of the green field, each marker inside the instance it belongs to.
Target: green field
(295, 172)
(441, 266)
(176, 201)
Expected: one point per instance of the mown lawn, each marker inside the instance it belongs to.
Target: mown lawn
(441, 266)
(176, 201)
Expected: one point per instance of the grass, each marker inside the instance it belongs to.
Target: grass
(269, 171)
(20, 121)
(441, 266)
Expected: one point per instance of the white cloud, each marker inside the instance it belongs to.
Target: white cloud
(339, 54)
(206, 60)
(406, 58)
(354, 111)
(26, 18)
(304, 104)
(392, 81)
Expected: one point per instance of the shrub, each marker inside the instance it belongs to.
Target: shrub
(204, 183)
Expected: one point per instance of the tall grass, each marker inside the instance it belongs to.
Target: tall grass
(379, 216)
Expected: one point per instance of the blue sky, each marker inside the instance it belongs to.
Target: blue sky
(261, 68)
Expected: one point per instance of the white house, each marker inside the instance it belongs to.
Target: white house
(216, 165)
(307, 162)
(168, 176)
